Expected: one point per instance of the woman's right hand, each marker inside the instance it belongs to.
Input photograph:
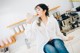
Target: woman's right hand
(29, 18)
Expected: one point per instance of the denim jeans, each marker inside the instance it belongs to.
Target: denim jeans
(55, 46)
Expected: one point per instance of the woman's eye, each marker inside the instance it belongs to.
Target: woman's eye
(38, 9)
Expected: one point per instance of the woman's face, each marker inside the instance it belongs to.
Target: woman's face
(40, 12)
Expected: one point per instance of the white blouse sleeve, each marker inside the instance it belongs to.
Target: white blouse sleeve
(58, 32)
(28, 30)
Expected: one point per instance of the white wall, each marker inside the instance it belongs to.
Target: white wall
(76, 4)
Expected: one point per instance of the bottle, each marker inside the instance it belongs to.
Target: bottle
(27, 43)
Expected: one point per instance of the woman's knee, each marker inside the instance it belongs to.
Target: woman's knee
(49, 49)
(59, 45)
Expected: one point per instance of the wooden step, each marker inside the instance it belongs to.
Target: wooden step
(13, 38)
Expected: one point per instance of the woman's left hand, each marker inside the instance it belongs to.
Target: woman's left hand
(69, 37)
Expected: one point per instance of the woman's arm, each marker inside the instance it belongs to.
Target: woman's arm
(30, 18)
(58, 32)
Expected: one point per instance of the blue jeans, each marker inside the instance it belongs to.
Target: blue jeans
(55, 46)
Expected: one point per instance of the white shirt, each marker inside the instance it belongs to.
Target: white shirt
(40, 35)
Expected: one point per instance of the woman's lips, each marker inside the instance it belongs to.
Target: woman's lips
(37, 14)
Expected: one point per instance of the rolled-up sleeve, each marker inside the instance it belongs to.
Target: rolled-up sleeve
(58, 32)
(28, 30)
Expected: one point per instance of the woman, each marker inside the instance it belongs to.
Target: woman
(47, 32)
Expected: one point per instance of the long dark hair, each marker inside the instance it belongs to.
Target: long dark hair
(44, 7)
